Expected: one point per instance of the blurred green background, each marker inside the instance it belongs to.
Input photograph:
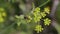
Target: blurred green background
(17, 7)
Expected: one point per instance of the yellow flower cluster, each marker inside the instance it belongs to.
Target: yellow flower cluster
(37, 15)
(47, 21)
(2, 14)
(43, 14)
(38, 28)
(47, 10)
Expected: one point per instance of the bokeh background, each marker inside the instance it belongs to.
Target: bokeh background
(10, 8)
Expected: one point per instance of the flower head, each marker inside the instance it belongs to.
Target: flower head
(37, 9)
(47, 10)
(38, 28)
(47, 21)
(43, 14)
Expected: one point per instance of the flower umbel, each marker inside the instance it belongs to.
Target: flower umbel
(47, 21)
(38, 28)
(37, 9)
(43, 14)
(47, 10)
(34, 18)
(36, 14)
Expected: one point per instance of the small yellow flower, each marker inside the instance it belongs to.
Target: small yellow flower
(37, 15)
(38, 28)
(43, 14)
(37, 19)
(37, 9)
(47, 10)
(47, 21)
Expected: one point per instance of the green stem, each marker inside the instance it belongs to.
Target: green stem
(44, 3)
